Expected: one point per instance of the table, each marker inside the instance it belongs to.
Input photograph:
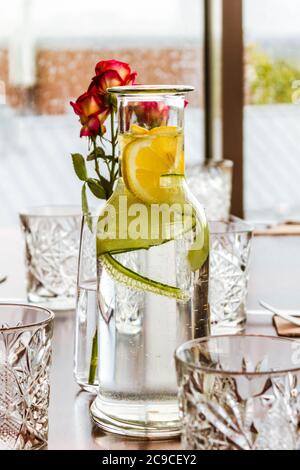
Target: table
(274, 277)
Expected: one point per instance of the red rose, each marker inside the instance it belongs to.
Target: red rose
(92, 114)
(111, 73)
(151, 114)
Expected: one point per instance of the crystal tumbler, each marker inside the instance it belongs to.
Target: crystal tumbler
(52, 237)
(229, 267)
(211, 184)
(25, 356)
(239, 393)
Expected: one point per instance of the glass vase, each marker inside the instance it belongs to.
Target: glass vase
(86, 345)
(152, 268)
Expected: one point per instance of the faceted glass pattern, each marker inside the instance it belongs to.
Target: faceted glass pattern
(256, 406)
(229, 265)
(52, 237)
(211, 184)
(25, 356)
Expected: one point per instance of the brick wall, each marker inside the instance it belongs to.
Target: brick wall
(15, 96)
(65, 74)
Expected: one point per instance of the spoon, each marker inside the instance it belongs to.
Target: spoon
(280, 313)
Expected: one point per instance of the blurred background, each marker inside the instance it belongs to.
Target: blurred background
(48, 51)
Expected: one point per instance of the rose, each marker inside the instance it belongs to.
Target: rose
(111, 73)
(94, 106)
(151, 114)
(92, 113)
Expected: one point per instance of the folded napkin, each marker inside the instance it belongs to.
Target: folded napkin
(285, 328)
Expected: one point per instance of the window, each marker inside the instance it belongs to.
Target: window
(48, 51)
(271, 115)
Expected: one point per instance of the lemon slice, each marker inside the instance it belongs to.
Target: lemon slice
(149, 156)
(138, 130)
(152, 168)
(114, 223)
(163, 130)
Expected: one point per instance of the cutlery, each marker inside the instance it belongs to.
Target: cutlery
(280, 313)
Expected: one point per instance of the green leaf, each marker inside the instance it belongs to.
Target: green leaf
(96, 188)
(106, 186)
(79, 166)
(84, 201)
(98, 152)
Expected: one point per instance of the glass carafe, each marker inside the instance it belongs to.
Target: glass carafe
(152, 252)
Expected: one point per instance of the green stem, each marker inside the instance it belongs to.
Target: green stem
(97, 169)
(94, 359)
(113, 148)
(112, 126)
(113, 174)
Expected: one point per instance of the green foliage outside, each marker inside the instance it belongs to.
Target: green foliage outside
(270, 81)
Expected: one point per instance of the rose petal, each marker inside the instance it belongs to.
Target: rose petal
(76, 108)
(104, 115)
(131, 79)
(85, 132)
(109, 79)
(93, 89)
(94, 125)
(90, 106)
(122, 68)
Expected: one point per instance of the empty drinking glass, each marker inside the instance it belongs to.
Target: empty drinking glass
(52, 235)
(239, 393)
(230, 244)
(211, 184)
(25, 357)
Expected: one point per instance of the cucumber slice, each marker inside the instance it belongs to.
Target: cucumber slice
(134, 280)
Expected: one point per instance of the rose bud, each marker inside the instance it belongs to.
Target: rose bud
(92, 114)
(151, 114)
(111, 73)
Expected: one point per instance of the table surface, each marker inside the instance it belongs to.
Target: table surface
(274, 277)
